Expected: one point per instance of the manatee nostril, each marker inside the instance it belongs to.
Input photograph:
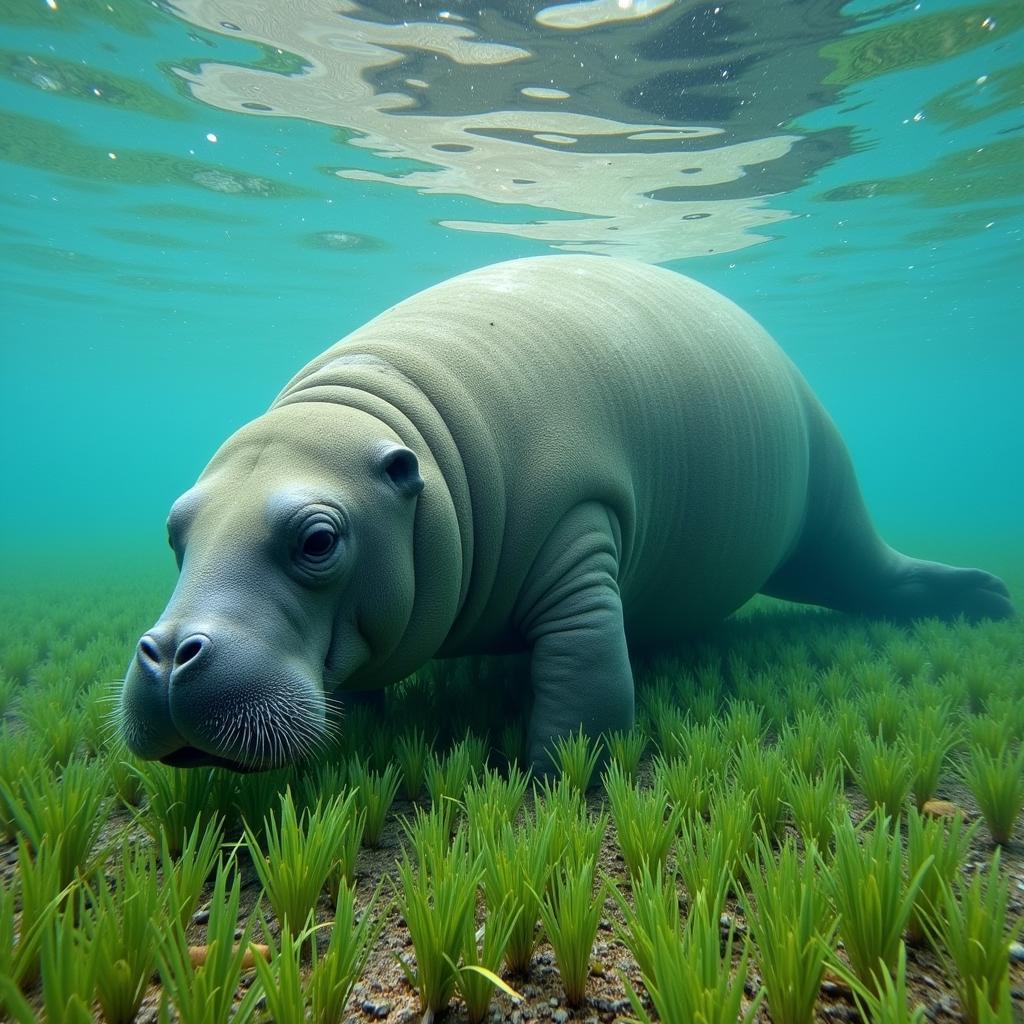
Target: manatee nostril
(149, 651)
(189, 649)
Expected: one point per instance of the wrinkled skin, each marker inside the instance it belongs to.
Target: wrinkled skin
(550, 455)
(269, 603)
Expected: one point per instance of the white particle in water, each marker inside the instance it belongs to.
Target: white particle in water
(981, 80)
(210, 137)
(919, 116)
(113, 156)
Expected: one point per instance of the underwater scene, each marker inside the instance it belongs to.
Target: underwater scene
(559, 646)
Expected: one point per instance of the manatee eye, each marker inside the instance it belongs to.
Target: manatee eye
(315, 539)
(319, 542)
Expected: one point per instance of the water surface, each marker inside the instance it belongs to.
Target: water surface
(198, 197)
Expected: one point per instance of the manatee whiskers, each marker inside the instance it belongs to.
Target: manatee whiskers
(271, 732)
(117, 728)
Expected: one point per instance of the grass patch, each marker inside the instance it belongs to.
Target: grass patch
(69, 810)
(517, 863)
(793, 927)
(576, 756)
(974, 937)
(122, 933)
(645, 825)
(691, 977)
(571, 911)
(411, 753)
(870, 894)
(69, 967)
(769, 697)
(300, 853)
(883, 774)
(375, 793)
(938, 850)
(625, 748)
(437, 897)
(996, 781)
(206, 994)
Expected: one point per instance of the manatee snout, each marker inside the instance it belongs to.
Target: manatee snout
(297, 582)
(212, 693)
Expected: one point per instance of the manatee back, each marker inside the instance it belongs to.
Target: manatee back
(564, 379)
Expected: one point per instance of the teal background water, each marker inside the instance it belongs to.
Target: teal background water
(155, 300)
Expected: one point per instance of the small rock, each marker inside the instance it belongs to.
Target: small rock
(560, 1016)
(552, 1001)
(407, 1015)
(1017, 952)
(197, 955)
(833, 986)
(202, 916)
(603, 1005)
(929, 981)
(840, 1011)
(372, 1009)
(941, 808)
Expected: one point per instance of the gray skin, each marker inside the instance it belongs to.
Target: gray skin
(552, 454)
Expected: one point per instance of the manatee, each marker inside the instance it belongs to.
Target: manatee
(574, 456)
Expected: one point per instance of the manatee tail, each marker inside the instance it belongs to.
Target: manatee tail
(840, 561)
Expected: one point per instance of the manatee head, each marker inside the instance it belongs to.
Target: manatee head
(295, 551)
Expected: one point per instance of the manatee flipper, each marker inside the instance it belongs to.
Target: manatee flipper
(570, 614)
(840, 561)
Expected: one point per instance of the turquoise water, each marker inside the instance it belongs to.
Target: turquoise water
(199, 197)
